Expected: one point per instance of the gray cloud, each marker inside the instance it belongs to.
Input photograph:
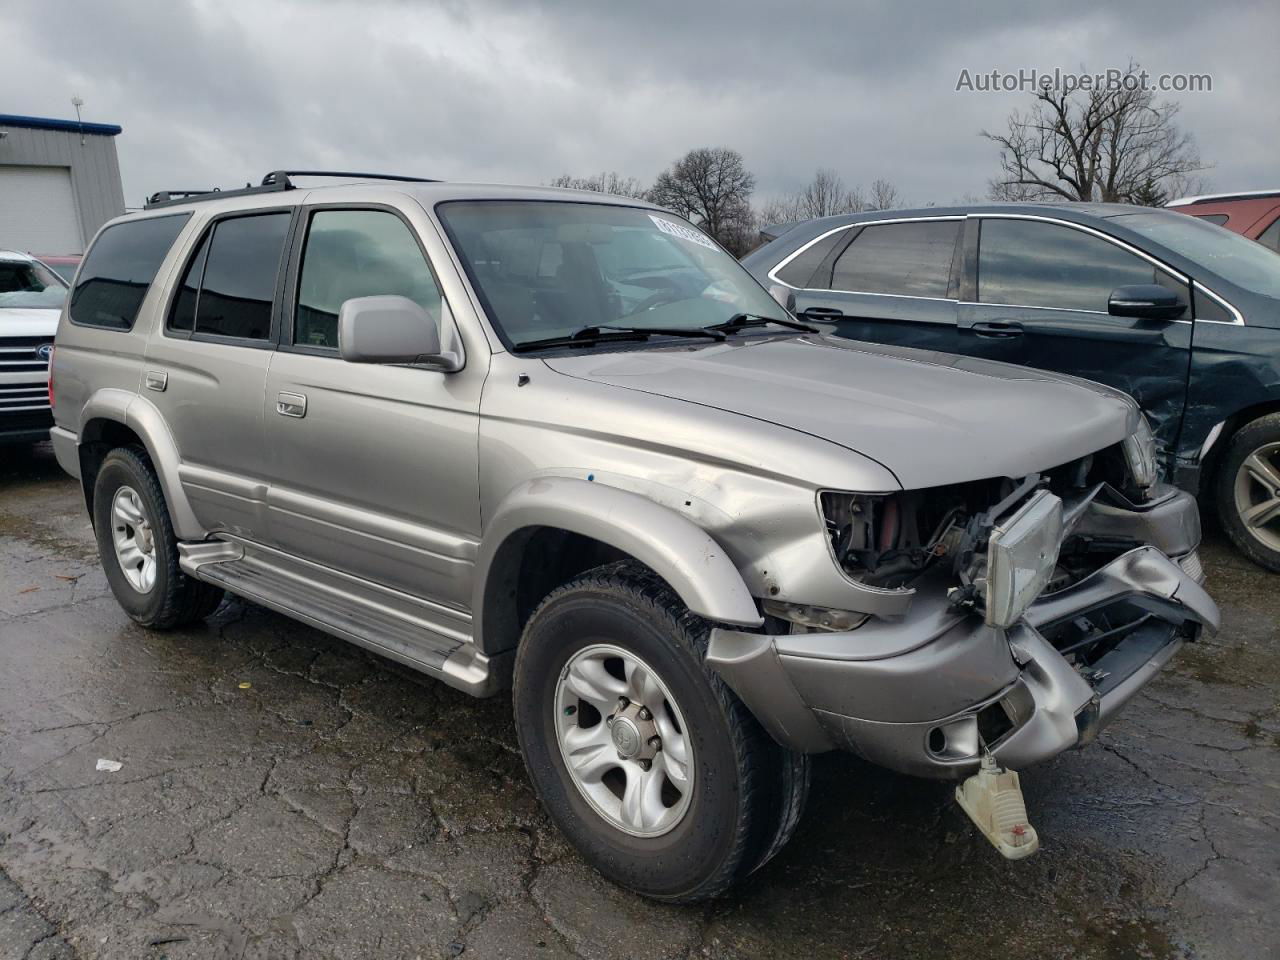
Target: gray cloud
(217, 93)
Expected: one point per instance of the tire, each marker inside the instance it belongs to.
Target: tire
(746, 792)
(1234, 492)
(172, 598)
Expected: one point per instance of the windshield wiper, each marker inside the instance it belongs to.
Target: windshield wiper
(740, 321)
(603, 333)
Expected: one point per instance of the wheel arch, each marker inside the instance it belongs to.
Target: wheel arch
(591, 523)
(114, 418)
(1241, 418)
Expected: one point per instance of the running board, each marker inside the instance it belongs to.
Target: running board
(428, 637)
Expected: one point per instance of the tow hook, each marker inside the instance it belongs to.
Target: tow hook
(992, 798)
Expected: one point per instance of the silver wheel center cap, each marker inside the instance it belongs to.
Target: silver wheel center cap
(626, 737)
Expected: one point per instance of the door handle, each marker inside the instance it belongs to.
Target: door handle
(822, 313)
(997, 329)
(291, 405)
(157, 380)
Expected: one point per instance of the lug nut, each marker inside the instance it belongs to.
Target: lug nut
(646, 764)
(608, 721)
(655, 742)
(644, 714)
(623, 703)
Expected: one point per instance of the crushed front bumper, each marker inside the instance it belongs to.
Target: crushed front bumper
(917, 694)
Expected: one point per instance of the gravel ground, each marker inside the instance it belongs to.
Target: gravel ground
(285, 795)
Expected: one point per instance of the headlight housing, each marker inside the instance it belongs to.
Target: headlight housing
(1021, 556)
(1140, 453)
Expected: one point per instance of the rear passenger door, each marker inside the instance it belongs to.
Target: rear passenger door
(206, 368)
(893, 282)
(373, 466)
(1038, 296)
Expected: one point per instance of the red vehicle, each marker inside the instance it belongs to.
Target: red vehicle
(1256, 214)
(64, 266)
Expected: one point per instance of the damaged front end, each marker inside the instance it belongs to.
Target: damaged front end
(1039, 606)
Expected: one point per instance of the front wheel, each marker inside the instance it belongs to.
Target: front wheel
(1248, 491)
(643, 757)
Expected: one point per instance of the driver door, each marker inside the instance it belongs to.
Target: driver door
(373, 467)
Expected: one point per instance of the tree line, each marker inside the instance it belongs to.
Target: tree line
(1115, 144)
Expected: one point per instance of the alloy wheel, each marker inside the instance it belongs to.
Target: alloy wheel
(134, 539)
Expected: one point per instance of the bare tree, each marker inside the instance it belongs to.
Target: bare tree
(712, 187)
(1114, 144)
(884, 196)
(612, 182)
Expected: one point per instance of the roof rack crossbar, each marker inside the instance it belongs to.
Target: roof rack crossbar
(273, 182)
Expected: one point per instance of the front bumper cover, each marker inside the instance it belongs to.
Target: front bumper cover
(910, 694)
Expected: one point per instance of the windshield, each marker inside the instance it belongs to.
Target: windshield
(1246, 263)
(25, 283)
(549, 269)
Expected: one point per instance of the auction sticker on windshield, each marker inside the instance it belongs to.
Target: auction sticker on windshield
(684, 233)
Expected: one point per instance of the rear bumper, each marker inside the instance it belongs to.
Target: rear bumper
(916, 695)
(66, 448)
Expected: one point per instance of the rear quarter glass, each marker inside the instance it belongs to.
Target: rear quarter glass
(119, 269)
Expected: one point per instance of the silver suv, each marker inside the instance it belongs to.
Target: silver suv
(564, 443)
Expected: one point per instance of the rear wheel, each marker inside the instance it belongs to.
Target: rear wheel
(643, 757)
(138, 549)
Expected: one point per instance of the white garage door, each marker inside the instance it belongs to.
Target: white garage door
(38, 210)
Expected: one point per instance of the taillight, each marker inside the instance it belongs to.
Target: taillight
(51, 353)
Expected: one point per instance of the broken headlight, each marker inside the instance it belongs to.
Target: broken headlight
(1021, 556)
(1140, 452)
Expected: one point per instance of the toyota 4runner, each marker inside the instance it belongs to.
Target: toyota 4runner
(564, 443)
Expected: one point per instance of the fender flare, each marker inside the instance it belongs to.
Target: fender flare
(140, 416)
(683, 554)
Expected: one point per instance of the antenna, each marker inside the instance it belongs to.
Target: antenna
(78, 103)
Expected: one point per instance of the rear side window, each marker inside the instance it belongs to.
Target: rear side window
(902, 259)
(1028, 263)
(357, 253)
(238, 285)
(119, 269)
(1218, 218)
(799, 272)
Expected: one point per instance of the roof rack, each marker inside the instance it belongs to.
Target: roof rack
(273, 182)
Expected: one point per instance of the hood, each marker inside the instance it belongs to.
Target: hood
(929, 418)
(29, 322)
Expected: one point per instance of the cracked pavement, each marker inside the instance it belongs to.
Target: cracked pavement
(285, 795)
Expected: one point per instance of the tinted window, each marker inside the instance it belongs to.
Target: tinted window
(799, 272)
(905, 259)
(357, 253)
(1218, 218)
(240, 276)
(183, 314)
(1033, 264)
(1239, 260)
(1270, 237)
(119, 268)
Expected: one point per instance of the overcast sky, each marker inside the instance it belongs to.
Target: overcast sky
(217, 93)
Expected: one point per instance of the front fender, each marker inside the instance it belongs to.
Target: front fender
(680, 552)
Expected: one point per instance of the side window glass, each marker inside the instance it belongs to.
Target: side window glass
(240, 271)
(800, 271)
(902, 259)
(360, 253)
(183, 314)
(1219, 218)
(119, 268)
(1270, 237)
(1027, 263)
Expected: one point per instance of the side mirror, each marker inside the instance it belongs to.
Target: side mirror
(1146, 301)
(391, 329)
